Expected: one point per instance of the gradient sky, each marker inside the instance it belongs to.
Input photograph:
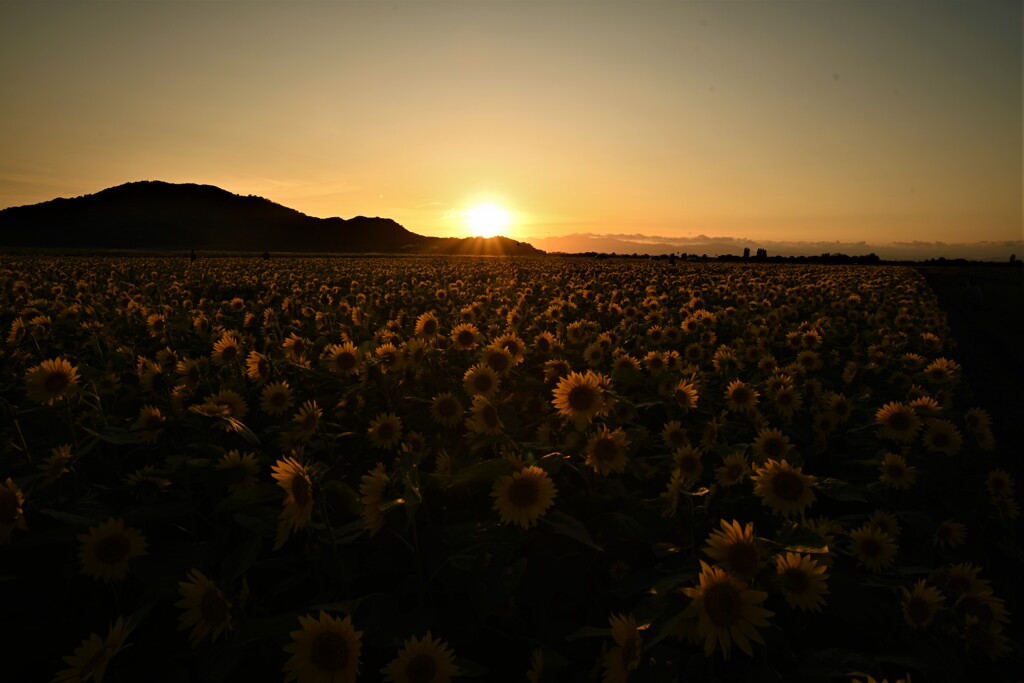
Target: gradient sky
(776, 119)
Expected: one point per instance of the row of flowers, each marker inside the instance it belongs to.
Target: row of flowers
(677, 461)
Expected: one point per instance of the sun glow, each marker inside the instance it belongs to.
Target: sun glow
(486, 220)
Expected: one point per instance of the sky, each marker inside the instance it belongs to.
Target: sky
(787, 120)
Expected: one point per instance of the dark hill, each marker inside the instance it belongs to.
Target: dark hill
(159, 215)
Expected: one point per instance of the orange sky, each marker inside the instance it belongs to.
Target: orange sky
(778, 119)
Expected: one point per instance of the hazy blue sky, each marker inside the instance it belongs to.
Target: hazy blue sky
(775, 119)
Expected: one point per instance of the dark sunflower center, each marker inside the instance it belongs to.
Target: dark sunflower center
(773, 448)
(918, 610)
(300, 489)
(743, 559)
(797, 579)
(278, 399)
(229, 352)
(465, 338)
(543, 345)
(8, 506)
(56, 382)
(899, 422)
(345, 360)
(498, 361)
(689, 464)
(112, 549)
(421, 669)
(329, 651)
(733, 471)
(429, 327)
(722, 603)
(605, 450)
(385, 431)
(871, 548)
(741, 396)
(940, 439)
(957, 584)
(213, 607)
(523, 493)
(446, 408)
(483, 383)
(895, 471)
(489, 416)
(582, 399)
(788, 485)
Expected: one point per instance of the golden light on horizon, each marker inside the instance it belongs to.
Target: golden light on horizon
(487, 220)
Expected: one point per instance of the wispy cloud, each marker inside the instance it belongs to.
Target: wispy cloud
(627, 243)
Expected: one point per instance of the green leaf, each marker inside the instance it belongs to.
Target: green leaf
(841, 490)
(486, 471)
(115, 436)
(254, 495)
(560, 523)
(241, 558)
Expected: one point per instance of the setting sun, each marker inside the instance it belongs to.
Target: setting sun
(486, 220)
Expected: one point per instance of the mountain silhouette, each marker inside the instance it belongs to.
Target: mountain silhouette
(169, 216)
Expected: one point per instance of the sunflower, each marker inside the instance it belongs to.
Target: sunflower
(1000, 484)
(226, 350)
(389, 359)
(480, 380)
(207, 612)
(90, 659)
(581, 397)
(735, 549)
(783, 488)
(295, 347)
(465, 336)
(427, 326)
(950, 534)
(606, 451)
(55, 466)
(446, 409)
(324, 650)
(655, 362)
(594, 354)
(921, 604)
(276, 398)
(685, 395)
(524, 496)
(787, 401)
(342, 359)
(51, 381)
(377, 491)
(897, 421)
(385, 431)
(896, 473)
(422, 660)
(149, 423)
(306, 420)
(241, 469)
(688, 462)
(12, 514)
(733, 469)
(874, 548)
(726, 611)
(674, 435)
(770, 444)
(226, 404)
(741, 397)
(942, 371)
(620, 660)
(257, 367)
(497, 359)
(802, 580)
(298, 503)
(515, 346)
(942, 436)
(484, 418)
(107, 549)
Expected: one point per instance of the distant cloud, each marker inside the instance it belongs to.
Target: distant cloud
(628, 243)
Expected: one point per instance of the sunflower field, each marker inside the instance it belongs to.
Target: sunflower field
(422, 469)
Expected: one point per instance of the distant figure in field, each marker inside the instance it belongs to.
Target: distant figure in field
(266, 256)
(972, 296)
(192, 256)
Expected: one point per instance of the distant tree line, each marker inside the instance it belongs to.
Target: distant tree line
(761, 255)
